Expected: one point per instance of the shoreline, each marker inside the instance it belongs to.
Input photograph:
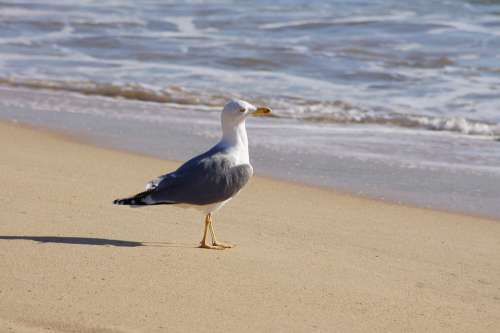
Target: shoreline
(84, 140)
(279, 149)
(305, 258)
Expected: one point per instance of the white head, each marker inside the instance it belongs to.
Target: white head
(236, 111)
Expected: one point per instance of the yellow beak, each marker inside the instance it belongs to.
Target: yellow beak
(262, 111)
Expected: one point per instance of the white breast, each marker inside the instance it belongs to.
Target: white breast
(205, 209)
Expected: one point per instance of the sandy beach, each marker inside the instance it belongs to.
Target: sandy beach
(306, 260)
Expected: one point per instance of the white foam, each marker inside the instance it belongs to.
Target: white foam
(408, 46)
(459, 124)
(394, 16)
(184, 24)
(17, 12)
(109, 20)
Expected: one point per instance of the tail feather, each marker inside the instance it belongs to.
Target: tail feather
(137, 200)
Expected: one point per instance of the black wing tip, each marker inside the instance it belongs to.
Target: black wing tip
(128, 201)
(117, 202)
(132, 202)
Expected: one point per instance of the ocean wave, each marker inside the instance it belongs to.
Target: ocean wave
(453, 124)
(342, 112)
(333, 112)
(172, 94)
(326, 22)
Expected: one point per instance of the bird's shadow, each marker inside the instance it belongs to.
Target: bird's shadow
(93, 241)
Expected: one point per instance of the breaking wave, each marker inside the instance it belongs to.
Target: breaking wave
(341, 112)
(452, 124)
(335, 112)
(172, 94)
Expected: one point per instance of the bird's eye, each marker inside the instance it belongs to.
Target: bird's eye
(242, 110)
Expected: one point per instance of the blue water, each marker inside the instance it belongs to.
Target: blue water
(428, 64)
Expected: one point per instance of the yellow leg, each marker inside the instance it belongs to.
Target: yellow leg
(203, 243)
(214, 240)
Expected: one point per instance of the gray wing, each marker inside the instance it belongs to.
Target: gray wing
(203, 180)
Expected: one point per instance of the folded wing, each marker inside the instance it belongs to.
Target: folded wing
(202, 182)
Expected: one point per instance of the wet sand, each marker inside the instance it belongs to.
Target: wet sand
(306, 259)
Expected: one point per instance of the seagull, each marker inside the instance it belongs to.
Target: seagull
(207, 181)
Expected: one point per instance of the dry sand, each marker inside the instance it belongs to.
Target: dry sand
(306, 259)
